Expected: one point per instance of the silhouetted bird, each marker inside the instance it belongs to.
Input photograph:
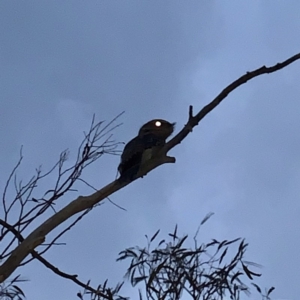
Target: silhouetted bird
(151, 136)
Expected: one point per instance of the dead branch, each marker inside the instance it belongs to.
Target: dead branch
(31, 207)
(194, 120)
(50, 266)
(82, 203)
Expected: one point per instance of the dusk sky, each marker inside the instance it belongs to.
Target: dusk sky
(63, 61)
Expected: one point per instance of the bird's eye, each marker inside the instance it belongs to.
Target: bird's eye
(157, 123)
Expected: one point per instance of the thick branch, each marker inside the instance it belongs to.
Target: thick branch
(38, 235)
(82, 203)
(50, 266)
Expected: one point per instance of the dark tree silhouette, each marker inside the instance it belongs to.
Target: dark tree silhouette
(27, 208)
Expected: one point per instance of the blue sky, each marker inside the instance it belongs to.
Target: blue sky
(61, 62)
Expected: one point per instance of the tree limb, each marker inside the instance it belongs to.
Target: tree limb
(82, 203)
(194, 120)
(50, 266)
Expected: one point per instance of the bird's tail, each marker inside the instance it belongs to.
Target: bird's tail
(129, 174)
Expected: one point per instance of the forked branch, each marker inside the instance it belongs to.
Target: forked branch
(82, 203)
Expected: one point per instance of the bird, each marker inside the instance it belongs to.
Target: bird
(151, 137)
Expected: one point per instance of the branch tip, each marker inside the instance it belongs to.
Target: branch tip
(191, 112)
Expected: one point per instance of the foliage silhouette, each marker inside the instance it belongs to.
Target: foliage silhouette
(204, 271)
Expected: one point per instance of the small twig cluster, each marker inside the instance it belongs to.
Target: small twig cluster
(25, 207)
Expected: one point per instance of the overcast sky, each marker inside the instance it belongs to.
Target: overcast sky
(62, 61)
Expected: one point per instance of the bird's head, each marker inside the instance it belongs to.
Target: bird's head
(158, 127)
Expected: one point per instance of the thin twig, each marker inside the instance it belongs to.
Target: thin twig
(51, 266)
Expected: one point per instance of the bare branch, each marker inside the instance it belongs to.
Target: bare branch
(68, 276)
(53, 242)
(83, 203)
(30, 208)
(194, 120)
(8, 182)
(52, 267)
